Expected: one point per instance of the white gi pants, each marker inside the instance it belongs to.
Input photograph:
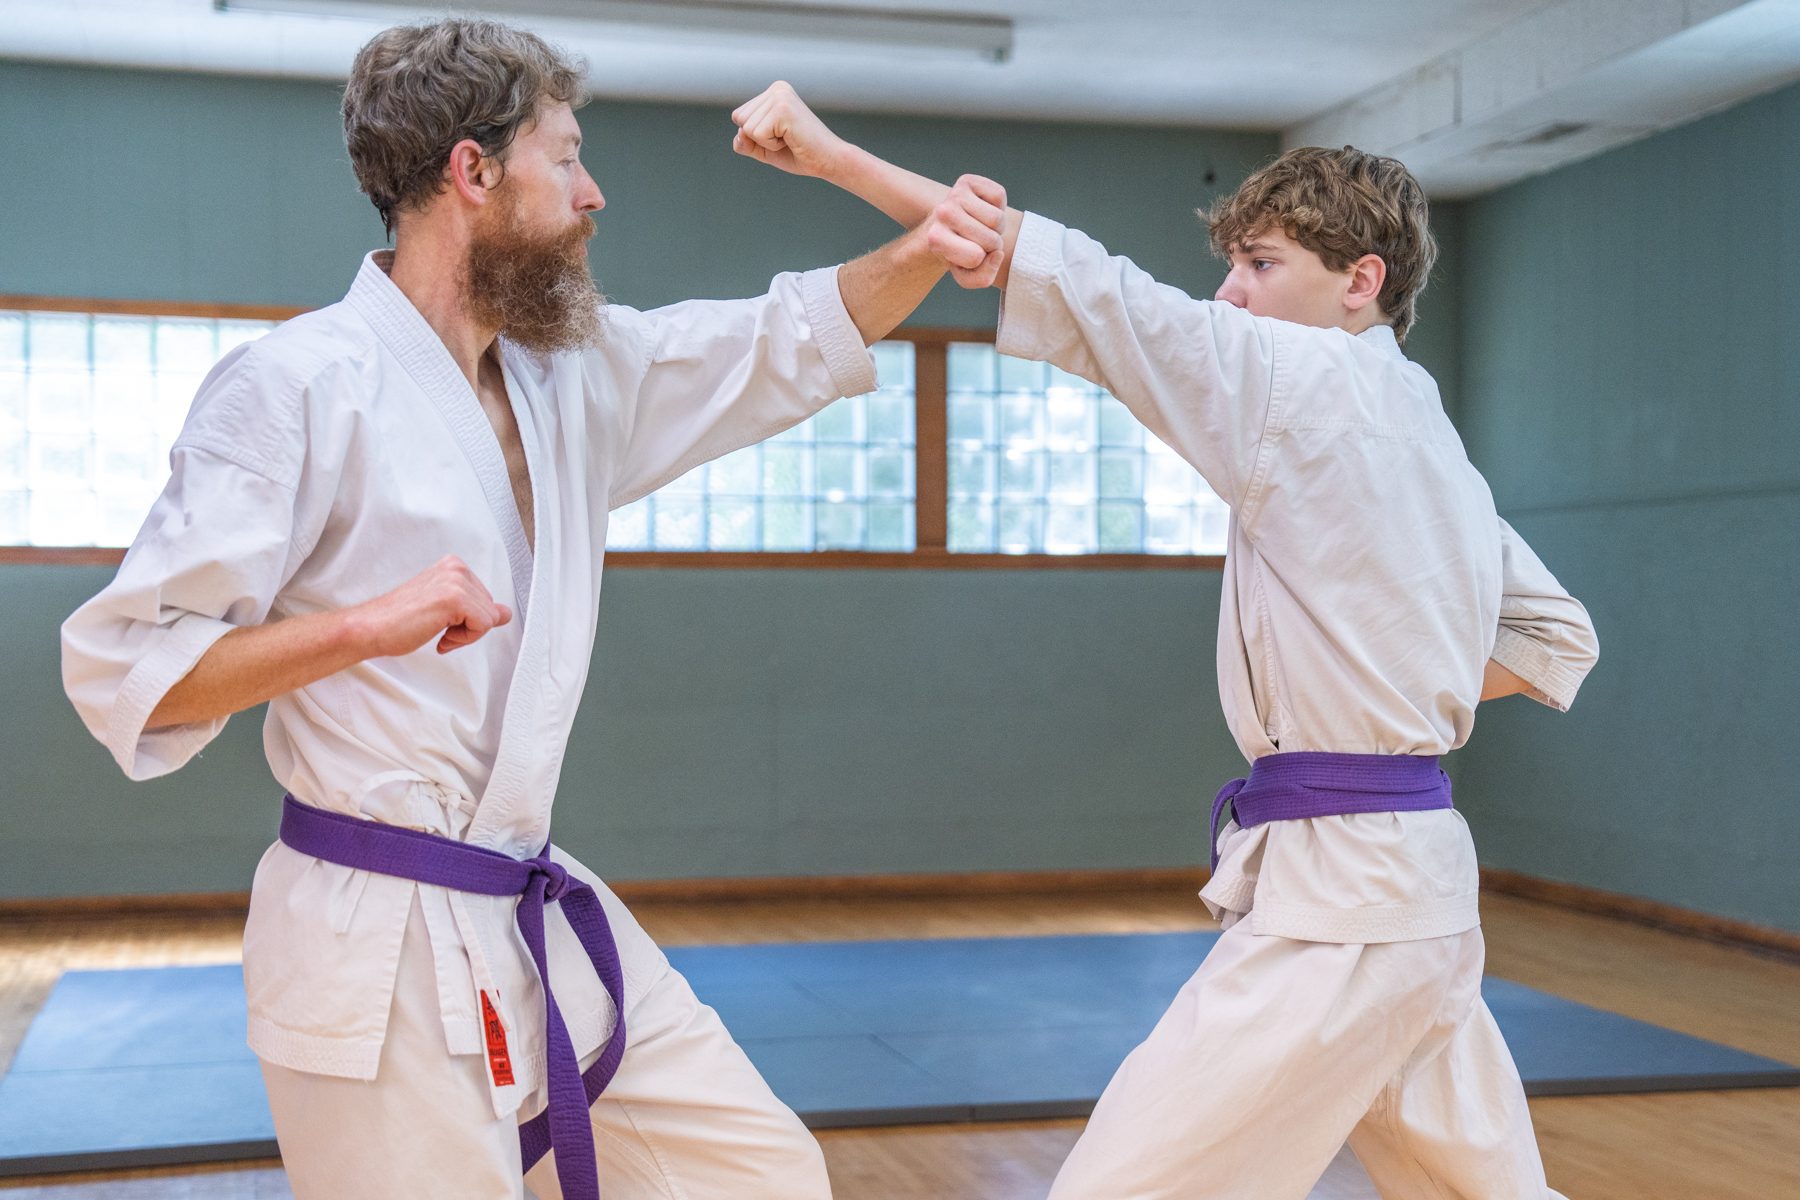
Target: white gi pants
(686, 1118)
(1278, 1051)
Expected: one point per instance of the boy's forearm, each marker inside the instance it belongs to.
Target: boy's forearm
(909, 198)
(902, 195)
(1497, 681)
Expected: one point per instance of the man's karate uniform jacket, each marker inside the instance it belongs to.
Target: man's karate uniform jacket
(335, 459)
(1368, 578)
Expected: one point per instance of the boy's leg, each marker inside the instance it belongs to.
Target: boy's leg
(689, 1117)
(1453, 1121)
(424, 1126)
(1269, 1057)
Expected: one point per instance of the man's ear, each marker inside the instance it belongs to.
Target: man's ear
(1367, 275)
(471, 173)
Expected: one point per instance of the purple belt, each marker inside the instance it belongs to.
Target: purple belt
(427, 858)
(1314, 783)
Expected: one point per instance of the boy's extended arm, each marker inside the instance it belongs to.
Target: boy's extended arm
(779, 129)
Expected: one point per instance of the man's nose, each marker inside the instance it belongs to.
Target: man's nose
(1232, 292)
(588, 197)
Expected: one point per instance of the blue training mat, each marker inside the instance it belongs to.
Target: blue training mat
(143, 1067)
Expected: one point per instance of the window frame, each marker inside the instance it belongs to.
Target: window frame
(931, 473)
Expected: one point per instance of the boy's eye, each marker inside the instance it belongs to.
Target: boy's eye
(1260, 263)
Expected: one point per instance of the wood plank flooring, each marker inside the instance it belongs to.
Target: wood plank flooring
(1742, 1145)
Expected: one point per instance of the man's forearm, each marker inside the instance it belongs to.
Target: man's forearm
(256, 663)
(881, 289)
(260, 662)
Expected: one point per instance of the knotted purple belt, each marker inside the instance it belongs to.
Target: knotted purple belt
(427, 858)
(1315, 783)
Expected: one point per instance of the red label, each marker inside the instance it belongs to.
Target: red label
(499, 1062)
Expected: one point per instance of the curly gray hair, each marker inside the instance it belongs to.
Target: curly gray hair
(415, 91)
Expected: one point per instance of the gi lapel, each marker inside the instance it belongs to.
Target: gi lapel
(411, 340)
(507, 820)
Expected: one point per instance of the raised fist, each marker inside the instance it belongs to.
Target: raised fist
(778, 128)
(965, 231)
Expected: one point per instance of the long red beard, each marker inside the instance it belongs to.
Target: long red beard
(536, 287)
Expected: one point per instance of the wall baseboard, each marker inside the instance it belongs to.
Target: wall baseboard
(1571, 896)
(1639, 911)
(65, 908)
(873, 887)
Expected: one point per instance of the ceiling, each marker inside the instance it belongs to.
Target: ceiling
(1313, 68)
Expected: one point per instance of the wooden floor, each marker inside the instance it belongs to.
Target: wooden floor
(1742, 1145)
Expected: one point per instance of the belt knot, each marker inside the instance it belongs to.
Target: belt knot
(556, 879)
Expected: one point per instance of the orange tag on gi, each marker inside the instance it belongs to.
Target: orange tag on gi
(499, 1062)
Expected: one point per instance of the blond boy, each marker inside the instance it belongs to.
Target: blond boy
(1372, 597)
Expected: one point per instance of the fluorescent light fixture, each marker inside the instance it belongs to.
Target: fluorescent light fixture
(989, 36)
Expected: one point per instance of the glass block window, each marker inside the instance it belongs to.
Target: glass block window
(1043, 462)
(840, 480)
(89, 405)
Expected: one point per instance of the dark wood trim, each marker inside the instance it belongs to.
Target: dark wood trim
(63, 908)
(940, 335)
(811, 887)
(887, 887)
(923, 559)
(153, 308)
(62, 556)
(1640, 911)
(931, 438)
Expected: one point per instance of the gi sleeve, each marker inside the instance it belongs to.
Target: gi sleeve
(211, 556)
(1197, 373)
(725, 374)
(1545, 637)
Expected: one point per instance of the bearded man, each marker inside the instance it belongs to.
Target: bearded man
(387, 518)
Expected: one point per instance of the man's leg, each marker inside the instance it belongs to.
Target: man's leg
(424, 1126)
(1252, 1080)
(689, 1118)
(1453, 1121)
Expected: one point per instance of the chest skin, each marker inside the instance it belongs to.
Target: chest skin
(490, 390)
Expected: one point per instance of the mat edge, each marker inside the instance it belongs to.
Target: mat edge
(151, 1156)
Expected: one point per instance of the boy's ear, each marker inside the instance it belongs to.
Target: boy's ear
(1367, 275)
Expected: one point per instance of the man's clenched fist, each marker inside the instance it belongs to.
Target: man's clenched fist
(778, 128)
(965, 230)
(445, 599)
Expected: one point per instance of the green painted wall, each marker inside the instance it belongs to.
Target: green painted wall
(1631, 388)
(737, 723)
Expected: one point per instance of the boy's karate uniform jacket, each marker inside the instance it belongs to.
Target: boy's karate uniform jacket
(1368, 579)
(342, 455)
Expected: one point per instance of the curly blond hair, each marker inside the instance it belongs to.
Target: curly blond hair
(415, 91)
(1341, 205)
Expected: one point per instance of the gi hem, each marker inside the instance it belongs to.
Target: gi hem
(1362, 926)
(840, 343)
(1023, 303)
(343, 1057)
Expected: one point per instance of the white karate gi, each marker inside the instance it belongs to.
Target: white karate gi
(325, 464)
(1368, 580)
